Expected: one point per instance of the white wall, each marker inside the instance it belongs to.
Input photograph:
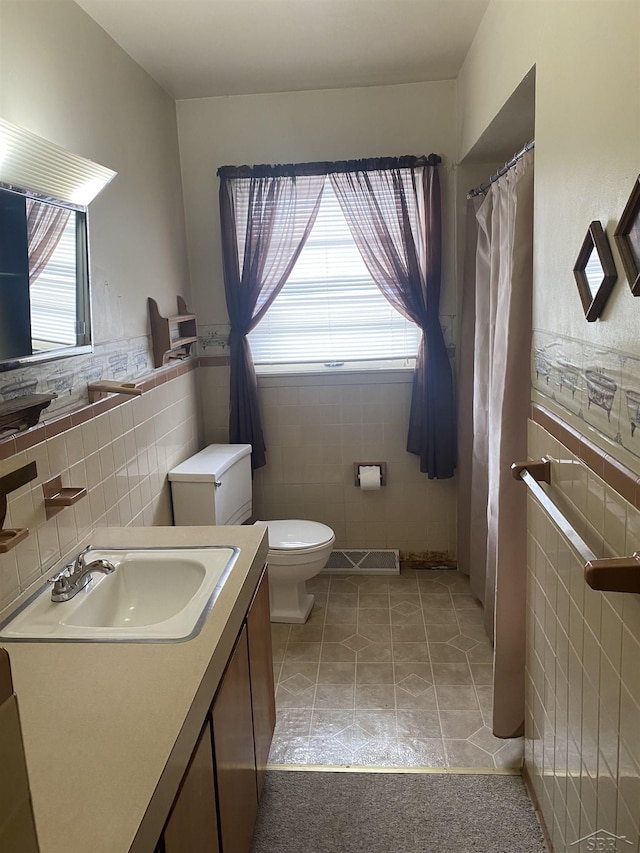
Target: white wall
(587, 58)
(66, 80)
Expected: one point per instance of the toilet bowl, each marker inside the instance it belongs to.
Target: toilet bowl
(298, 550)
(214, 487)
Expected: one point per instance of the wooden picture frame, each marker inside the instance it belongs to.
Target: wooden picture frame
(595, 271)
(627, 237)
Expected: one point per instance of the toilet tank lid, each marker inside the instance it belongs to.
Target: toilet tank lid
(209, 464)
(293, 533)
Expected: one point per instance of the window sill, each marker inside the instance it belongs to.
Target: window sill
(273, 375)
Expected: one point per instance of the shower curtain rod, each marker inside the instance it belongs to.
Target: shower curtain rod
(502, 170)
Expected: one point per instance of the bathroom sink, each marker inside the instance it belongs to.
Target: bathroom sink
(154, 595)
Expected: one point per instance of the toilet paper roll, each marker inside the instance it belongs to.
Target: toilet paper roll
(370, 476)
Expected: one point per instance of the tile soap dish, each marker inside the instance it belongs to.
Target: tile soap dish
(56, 496)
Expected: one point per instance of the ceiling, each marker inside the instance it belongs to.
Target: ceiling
(203, 48)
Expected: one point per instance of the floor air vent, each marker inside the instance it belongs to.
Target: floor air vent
(352, 562)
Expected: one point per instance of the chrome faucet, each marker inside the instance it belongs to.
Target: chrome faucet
(76, 575)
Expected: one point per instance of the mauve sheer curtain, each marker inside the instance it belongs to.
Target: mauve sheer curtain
(395, 217)
(393, 208)
(265, 222)
(45, 226)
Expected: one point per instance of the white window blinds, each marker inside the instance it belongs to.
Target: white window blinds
(330, 310)
(53, 296)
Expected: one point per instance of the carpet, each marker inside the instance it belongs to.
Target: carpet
(317, 812)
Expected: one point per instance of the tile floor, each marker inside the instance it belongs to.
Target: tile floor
(388, 672)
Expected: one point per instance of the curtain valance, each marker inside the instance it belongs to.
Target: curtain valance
(293, 170)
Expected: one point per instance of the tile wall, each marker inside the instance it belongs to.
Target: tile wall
(120, 456)
(316, 427)
(582, 738)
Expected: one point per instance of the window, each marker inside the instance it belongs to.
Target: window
(330, 311)
(53, 296)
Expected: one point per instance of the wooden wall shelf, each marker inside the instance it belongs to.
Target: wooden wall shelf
(171, 337)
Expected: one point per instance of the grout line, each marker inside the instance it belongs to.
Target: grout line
(439, 771)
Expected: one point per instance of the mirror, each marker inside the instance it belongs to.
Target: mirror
(44, 252)
(595, 271)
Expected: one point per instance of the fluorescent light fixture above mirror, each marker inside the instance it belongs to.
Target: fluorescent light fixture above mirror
(29, 162)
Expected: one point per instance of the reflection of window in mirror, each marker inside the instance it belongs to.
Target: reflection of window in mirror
(44, 267)
(594, 272)
(43, 276)
(51, 232)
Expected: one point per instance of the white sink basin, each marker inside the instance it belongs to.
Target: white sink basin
(155, 594)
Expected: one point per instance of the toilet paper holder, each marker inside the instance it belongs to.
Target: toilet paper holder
(356, 472)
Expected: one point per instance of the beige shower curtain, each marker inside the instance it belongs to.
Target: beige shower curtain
(498, 291)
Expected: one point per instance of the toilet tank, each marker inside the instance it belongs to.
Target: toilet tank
(213, 487)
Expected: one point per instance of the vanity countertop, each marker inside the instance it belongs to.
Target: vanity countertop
(109, 728)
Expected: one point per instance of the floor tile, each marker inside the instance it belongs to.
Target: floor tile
(375, 696)
(353, 737)
(445, 653)
(293, 722)
(294, 750)
(437, 616)
(374, 616)
(374, 673)
(336, 652)
(408, 634)
(299, 667)
(424, 701)
(482, 673)
(375, 653)
(337, 614)
(377, 723)
(332, 753)
(454, 698)
(297, 683)
(334, 696)
(326, 724)
(286, 699)
(376, 633)
(461, 753)
(302, 652)
(337, 672)
(372, 599)
(388, 671)
(460, 724)
(451, 673)
(418, 724)
(307, 633)
(337, 633)
(422, 752)
(410, 652)
(442, 633)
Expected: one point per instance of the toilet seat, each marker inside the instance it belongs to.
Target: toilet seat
(297, 536)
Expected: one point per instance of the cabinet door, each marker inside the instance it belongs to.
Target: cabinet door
(261, 669)
(193, 826)
(234, 753)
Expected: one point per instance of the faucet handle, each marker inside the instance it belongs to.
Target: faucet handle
(60, 581)
(79, 560)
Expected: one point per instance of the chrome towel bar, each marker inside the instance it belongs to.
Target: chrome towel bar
(617, 574)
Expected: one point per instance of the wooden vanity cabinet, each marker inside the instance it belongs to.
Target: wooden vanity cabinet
(217, 803)
(233, 745)
(193, 823)
(261, 676)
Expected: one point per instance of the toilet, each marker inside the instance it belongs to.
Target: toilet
(214, 487)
